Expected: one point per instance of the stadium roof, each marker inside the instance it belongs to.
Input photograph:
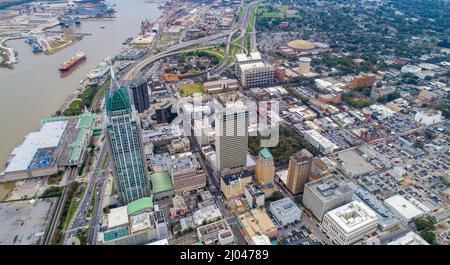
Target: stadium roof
(301, 45)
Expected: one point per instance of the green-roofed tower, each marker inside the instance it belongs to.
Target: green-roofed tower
(265, 167)
(125, 144)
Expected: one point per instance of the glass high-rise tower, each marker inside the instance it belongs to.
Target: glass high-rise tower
(125, 144)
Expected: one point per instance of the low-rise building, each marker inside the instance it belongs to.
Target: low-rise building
(179, 207)
(410, 238)
(234, 185)
(261, 240)
(179, 145)
(256, 222)
(402, 208)
(427, 97)
(60, 142)
(187, 173)
(162, 186)
(428, 117)
(317, 140)
(411, 69)
(217, 233)
(207, 214)
(285, 211)
(118, 217)
(330, 98)
(219, 86)
(141, 205)
(350, 223)
(137, 223)
(353, 164)
(254, 196)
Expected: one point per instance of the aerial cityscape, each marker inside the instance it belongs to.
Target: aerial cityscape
(225, 122)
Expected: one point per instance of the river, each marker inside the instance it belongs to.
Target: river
(35, 88)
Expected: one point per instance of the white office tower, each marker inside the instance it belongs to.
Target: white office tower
(304, 65)
(350, 223)
(231, 137)
(242, 58)
(252, 71)
(325, 194)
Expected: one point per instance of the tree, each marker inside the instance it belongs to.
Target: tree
(276, 195)
(427, 222)
(418, 144)
(428, 236)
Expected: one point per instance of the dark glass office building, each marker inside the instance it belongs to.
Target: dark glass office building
(139, 91)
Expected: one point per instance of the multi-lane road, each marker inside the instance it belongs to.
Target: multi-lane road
(96, 177)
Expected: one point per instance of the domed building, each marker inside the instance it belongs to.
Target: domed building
(301, 45)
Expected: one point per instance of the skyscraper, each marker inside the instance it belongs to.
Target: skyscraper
(265, 167)
(125, 145)
(139, 91)
(299, 171)
(231, 137)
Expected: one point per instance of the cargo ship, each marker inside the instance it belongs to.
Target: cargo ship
(72, 61)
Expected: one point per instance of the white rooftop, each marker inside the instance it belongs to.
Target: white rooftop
(256, 65)
(140, 222)
(321, 139)
(255, 56)
(242, 57)
(285, 207)
(353, 216)
(118, 217)
(261, 240)
(402, 206)
(160, 242)
(410, 238)
(207, 214)
(48, 136)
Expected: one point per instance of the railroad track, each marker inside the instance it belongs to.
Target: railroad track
(59, 207)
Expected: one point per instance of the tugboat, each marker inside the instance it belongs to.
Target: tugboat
(36, 48)
(30, 39)
(72, 61)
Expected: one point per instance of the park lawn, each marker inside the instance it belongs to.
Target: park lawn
(278, 13)
(189, 89)
(252, 15)
(75, 108)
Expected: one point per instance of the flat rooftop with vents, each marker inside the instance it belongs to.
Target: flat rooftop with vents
(325, 194)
